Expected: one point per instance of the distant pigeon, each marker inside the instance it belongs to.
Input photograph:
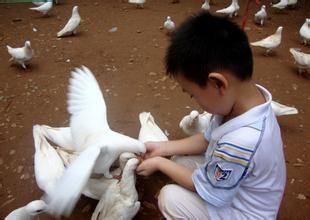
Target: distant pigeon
(38, 2)
(206, 5)
(149, 130)
(169, 25)
(195, 123)
(292, 3)
(138, 3)
(72, 24)
(271, 42)
(231, 10)
(261, 16)
(98, 146)
(281, 110)
(301, 59)
(120, 200)
(44, 8)
(21, 54)
(305, 31)
(281, 4)
(28, 212)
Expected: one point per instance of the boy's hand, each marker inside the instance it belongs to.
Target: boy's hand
(148, 166)
(153, 149)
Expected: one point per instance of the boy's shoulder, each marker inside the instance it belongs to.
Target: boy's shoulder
(239, 145)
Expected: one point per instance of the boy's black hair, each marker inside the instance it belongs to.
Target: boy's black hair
(205, 43)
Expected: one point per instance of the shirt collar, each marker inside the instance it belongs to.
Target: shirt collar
(255, 114)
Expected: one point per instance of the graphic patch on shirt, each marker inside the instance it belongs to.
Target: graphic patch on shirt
(221, 174)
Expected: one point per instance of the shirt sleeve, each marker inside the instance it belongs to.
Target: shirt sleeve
(219, 179)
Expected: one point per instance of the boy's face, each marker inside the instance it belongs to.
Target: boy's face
(211, 98)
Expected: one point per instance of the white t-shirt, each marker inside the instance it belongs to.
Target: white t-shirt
(244, 174)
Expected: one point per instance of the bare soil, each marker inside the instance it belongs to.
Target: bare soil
(129, 66)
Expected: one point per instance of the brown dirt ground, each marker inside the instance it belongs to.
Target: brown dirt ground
(129, 67)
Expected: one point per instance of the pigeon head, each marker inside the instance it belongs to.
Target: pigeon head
(27, 44)
(308, 22)
(263, 7)
(36, 207)
(132, 164)
(169, 18)
(194, 114)
(75, 9)
(279, 30)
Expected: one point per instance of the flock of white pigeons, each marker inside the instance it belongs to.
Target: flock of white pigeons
(91, 159)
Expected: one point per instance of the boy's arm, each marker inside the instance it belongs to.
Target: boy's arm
(196, 144)
(180, 174)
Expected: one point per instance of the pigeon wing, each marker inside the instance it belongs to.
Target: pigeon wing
(87, 108)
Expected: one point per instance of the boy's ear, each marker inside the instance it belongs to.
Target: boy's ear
(219, 81)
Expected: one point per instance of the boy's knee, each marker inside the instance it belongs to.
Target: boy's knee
(168, 200)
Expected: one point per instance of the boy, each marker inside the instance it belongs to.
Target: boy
(242, 173)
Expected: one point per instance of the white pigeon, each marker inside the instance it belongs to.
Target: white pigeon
(195, 123)
(120, 200)
(21, 54)
(27, 212)
(44, 8)
(138, 3)
(95, 187)
(38, 2)
(305, 31)
(72, 24)
(271, 42)
(231, 10)
(280, 109)
(149, 130)
(206, 5)
(169, 25)
(48, 166)
(281, 4)
(261, 16)
(301, 59)
(97, 144)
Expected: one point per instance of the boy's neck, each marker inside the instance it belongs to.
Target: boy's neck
(247, 96)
